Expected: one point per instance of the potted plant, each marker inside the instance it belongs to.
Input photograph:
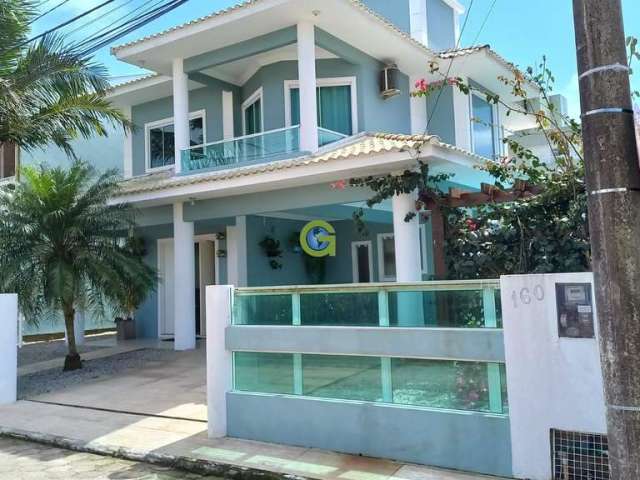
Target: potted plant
(271, 248)
(133, 290)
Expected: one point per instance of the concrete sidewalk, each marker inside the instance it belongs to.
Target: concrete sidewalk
(184, 442)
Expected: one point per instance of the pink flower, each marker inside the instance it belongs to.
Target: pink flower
(339, 185)
(422, 85)
(452, 81)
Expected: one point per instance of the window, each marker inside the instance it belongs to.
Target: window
(252, 115)
(337, 104)
(160, 140)
(361, 262)
(484, 129)
(386, 257)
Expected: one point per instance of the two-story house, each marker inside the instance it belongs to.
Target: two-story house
(256, 115)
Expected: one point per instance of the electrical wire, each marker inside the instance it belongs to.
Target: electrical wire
(55, 7)
(92, 44)
(484, 22)
(101, 17)
(444, 83)
(64, 24)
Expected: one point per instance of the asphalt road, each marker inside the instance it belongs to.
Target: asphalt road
(30, 461)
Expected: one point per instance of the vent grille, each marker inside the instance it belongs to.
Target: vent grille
(579, 456)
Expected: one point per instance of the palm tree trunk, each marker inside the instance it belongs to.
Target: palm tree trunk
(72, 360)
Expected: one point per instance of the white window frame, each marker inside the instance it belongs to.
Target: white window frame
(496, 127)
(424, 261)
(381, 275)
(325, 82)
(253, 98)
(354, 259)
(163, 123)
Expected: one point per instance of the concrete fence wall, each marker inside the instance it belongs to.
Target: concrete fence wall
(8, 348)
(553, 382)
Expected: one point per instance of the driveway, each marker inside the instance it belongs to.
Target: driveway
(172, 386)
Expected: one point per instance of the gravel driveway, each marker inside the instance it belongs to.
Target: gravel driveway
(43, 351)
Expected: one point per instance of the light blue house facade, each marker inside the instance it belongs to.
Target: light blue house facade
(250, 127)
(256, 113)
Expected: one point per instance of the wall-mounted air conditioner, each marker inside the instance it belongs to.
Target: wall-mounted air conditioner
(389, 81)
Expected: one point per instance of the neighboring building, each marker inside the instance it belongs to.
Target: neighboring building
(251, 115)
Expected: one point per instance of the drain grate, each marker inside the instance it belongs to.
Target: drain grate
(579, 456)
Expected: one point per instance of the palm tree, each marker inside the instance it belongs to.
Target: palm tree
(50, 92)
(62, 245)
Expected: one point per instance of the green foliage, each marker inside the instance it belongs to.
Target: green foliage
(61, 243)
(634, 54)
(271, 248)
(542, 234)
(133, 288)
(49, 91)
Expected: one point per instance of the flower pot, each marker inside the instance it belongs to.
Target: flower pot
(126, 328)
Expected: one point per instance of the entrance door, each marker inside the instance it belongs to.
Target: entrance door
(205, 275)
(362, 262)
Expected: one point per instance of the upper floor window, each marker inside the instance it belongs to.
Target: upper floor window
(337, 104)
(160, 140)
(252, 116)
(484, 127)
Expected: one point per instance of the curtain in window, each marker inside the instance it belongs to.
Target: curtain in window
(252, 118)
(162, 142)
(334, 108)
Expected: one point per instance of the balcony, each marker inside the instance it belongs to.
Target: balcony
(262, 147)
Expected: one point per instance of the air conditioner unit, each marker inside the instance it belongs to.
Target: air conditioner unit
(389, 82)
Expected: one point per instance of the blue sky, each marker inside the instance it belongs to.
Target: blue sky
(520, 30)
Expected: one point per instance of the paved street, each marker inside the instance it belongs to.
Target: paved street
(30, 461)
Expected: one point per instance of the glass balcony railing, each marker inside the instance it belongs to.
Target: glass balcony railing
(325, 137)
(458, 304)
(259, 148)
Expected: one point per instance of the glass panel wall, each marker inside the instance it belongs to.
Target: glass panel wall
(374, 306)
(440, 384)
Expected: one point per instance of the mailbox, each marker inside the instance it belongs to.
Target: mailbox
(575, 310)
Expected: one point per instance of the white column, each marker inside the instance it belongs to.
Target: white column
(406, 239)
(307, 79)
(462, 118)
(8, 348)
(418, 20)
(237, 253)
(227, 115)
(418, 107)
(127, 148)
(219, 359)
(180, 110)
(184, 284)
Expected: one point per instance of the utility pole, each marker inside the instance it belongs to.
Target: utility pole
(613, 188)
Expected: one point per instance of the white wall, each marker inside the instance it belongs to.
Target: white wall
(8, 348)
(552, 382)
(219, 359)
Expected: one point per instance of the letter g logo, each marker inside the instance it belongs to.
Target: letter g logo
(318, 239)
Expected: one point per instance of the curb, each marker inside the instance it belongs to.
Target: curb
(189, 464)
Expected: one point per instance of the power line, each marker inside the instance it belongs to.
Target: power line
(64, 24)
(101, 17)
(446, 77)
(55, 7)
(94, 43)
(484, 22)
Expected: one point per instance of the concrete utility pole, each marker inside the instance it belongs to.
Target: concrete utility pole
(613, 187)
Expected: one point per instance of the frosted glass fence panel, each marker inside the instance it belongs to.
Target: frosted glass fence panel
(427, 304)
(440, 384)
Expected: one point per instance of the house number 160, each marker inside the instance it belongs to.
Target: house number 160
(526, 296)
